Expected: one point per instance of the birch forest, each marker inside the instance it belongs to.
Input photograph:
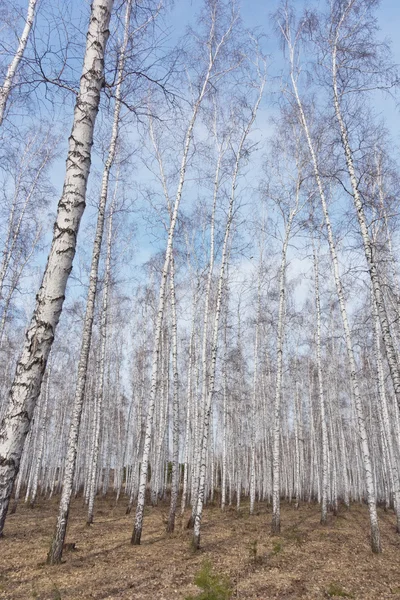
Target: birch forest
(199, 299)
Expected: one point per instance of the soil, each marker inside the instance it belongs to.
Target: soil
(307, 560)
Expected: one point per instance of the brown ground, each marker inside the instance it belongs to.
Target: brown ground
(306, 561)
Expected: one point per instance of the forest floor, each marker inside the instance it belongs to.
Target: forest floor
(306, 561)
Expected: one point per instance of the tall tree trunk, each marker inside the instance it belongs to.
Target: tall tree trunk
(175, 410)
(42, 435)
(205, 374)
(101, 371)
(324, 430)
(383, 408)
(214, 49)
(367, 242)
(224, 416)
(189, 395)
(25, 389)
(13, 66)
(55, 552)
(371, 497)
(254, 397)
(276, 454)
(214, 346)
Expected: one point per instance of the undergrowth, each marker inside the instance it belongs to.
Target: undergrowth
(214, 586)
(336, 591)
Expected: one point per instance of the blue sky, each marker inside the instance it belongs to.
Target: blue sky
(255, 13)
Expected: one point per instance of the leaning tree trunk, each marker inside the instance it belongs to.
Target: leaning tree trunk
(55, 551)
(391, 353)
(366, 456)
(25, 389)
(138, 526)
(12, 69)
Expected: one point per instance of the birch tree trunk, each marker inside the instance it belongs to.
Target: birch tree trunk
(214, 347)
(214, 48)
(254, 396)
(42, 435)
(276, 455)
(367, 242)
(324, 430)
(204, 361)
(103, 337)
(40, 334)
(371, 497)
(13, 66)
(56, 548)
(175, 415)
(224, 418)
(189, 394)
(383, 408)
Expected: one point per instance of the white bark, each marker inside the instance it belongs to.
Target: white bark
(224, 420)
(276, 454)
(383, 407)
(5, 89)
(204, 362)
(214, 49)
(40, 334)
(175, 410)
(367, 243)
(324, 430)
(371, 498)
(254, 396)
(102, 364)
(189, 393)
(175, 426)
(163, 387)
(55, 552)
(214, 346)
(42, 435)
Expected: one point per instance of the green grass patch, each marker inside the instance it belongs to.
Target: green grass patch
(213, 586)
(277, 548)
(336, 591)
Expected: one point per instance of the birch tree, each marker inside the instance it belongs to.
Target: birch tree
(6, 88)
(55, 552)
(324, 430)
(346, 42)
(218, 35)
(238, 158)
(288, 218)
(285, 27)
(40, 334)
(102, 362)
